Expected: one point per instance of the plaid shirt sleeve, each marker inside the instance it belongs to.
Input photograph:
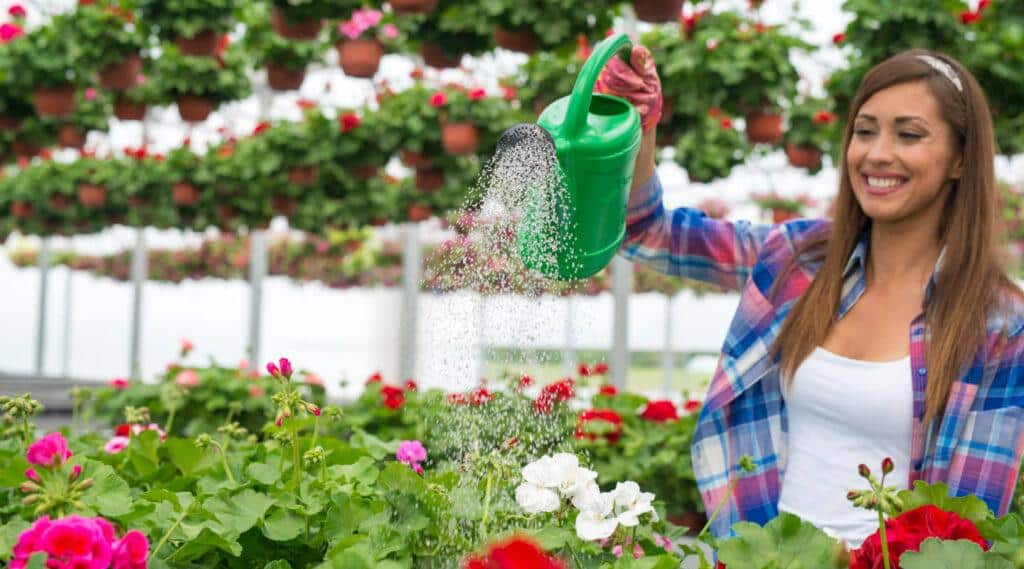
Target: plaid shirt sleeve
(687, 243)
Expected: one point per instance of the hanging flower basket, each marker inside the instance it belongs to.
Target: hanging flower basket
(184, 194)
(281, 78)
(126, 110)
(763, 127)
(413, 6)
(284, 205)
(419, 212)
(193, 108)
(367, 172)
(70, 136)
(803, 156)
(294, 30)
(434, 56)
(9, 123)
(360, 57)
(203, 44)
(430, 179)
(24, 148)
(656, 11)
(783, 215)
(121, 75)
(460, 139)
(22, 210)
(302, 175)
(92, 195)
(414, 159)
(54, 101)
(523, 40)
(137, 201)
(59, 202)
(226, 215)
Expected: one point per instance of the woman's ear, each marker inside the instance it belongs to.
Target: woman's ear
(954, 173)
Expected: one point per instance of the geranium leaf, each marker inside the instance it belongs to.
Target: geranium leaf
(37, 561)
(968, 507)
(278, 564)
(187, 457)
(282, 525)
(206, 540)
(109, 495)
(9, 533)
(263, 473)
(240, 512)
(785, 542)
(938, 554)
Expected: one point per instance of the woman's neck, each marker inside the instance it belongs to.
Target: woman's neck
(902, 254)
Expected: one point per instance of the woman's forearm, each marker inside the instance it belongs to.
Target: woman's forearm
(644, 168)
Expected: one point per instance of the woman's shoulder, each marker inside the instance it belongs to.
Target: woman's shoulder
(1008, 313)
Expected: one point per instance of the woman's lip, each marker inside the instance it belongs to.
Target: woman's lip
(881, 191)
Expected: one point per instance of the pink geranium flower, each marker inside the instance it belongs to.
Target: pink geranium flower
(187, 378)
(389, 31)
(73, 542)
(9, 31)
(131, 551)
(118, 383)
(116, 445)
(16, 11)
(51, 450)
(412, 453)
(438, 99)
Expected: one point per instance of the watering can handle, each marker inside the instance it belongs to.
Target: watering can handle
(579, 104)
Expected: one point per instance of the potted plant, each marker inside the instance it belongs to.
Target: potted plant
(143, 178)
(447, 33)
(811, 132)
(471, 119)
(529, 25)
(362, 40)
(411, 113)
(413, 6)
(200, 84)
(303, 19)
(188, 194)
(131, 104)
(52, 79)
(195, 26)
(547, 75)
(92, 112)
(783, 208)
(360, 146)
(110, 41)
(285, 60)
(91, 176)
(711, 149)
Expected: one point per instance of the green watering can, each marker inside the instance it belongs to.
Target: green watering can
(596, 138)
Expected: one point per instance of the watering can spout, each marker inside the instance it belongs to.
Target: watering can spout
(596, 138)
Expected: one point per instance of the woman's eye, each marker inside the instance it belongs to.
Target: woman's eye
(863, 132)
(910, 135)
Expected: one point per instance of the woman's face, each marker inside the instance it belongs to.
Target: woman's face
(901, 156)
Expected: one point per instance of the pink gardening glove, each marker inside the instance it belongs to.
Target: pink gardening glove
(637, 82)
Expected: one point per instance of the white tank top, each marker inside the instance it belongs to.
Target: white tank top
(842, 413)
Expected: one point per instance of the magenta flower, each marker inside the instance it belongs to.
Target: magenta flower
(131, 551)
(32, 475)
(617, 551)
(76, 471)
(350, 29)
(389, 31)
(116, 444)
(118, 383)
(438, 99)
(411, 452)
(272, 369)
(51, 450)
(187, 378)
(286, 367)
(16, 11)
(9, 31)
(638, 551)
(73, 542)
(663, 541)
(90, 94)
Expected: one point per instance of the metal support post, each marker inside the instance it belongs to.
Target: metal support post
(44, 274)
(140, 265)
(257, 272)
(411, 275)
(622, 285)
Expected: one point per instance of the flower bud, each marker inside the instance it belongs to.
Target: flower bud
(747, 463)
(887, 465)
(30, 499)
(312, 409)
(86, 484)
(272, 370)
(75, 472)
(863, 470)
(286, 367)
(29, 487)
(32, 475)
(852, 495)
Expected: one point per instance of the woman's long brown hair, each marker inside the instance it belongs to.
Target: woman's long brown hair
(972, 277)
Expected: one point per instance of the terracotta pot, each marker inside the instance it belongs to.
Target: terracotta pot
(121, 75)
(763, 127)
(282, 78)
(22, 147)
(70, 136)
(204, 43)
(226, 213)
(91, 195)
(430, 179)
(414, 159)
(657, 11)
(692, 521)
(434, 56)
(365, 173)
(184, 194)
(294, 30)
(360, 57)
(419, 212)
(195, 109)
(460, 138)
(128, 111)
(803, 156)
(284, 205)
(138, 201)
(413, 6)
(523, 41)
(22, 210)
(54, 101)
(783, 215)
(302, 175)
(9, 123)
(60, 202)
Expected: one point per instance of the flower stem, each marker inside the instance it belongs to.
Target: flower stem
(224, 461)
(884, 539)
(296, 474)
(152, 554)
(718, 508)
(170, 421)
(26, 431)
(487, 508)
(316, 430)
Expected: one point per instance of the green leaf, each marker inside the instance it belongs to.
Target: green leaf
(554, 537)
(398, 477)
(205, 541)
(278, 564)
(36, 561)
(240, 512)
(263, 473)
(970, 507)
(938, 554)
(467, 503)
(283, 525)
(9, 533)
(109, 495)
(187, 457)
(785, 542)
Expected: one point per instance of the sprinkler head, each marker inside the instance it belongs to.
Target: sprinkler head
(522, 132)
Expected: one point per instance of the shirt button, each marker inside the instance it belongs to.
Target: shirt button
(921, 371)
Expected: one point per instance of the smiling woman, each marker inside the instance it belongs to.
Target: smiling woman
(892, 331)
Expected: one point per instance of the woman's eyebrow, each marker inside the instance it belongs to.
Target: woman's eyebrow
(898, 120)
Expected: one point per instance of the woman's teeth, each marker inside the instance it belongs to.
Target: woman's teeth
(884, 182)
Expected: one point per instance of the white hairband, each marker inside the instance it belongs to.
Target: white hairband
(945, 69)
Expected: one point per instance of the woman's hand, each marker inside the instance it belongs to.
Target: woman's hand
(636, 82)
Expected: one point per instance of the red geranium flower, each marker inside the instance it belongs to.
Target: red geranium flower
(660, 411)
(16, 11)
(509, 92)
(416, 73)
(123, 430)
(394, 397)
(260, 128)
(456, 398)
(375, 378)
(561, 390)
(600, 368)
(480, 396)
(824, 117)
(305, 104)
(906, 531)
(514, 553)
(525, 381)
(692, 405)
(438, 99)
(725, 123)
(410, 385)
(477, 94)
(968, 17)
(349, 121)
(611, 434)
(583, 370)
(838, 38)
(608, 390)
(714, 112)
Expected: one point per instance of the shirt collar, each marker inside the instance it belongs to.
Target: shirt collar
(857, 264)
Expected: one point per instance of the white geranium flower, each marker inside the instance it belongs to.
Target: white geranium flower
(593, 521)
(585, 494)
(541, 472)
(632, 502)
(535, 499)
